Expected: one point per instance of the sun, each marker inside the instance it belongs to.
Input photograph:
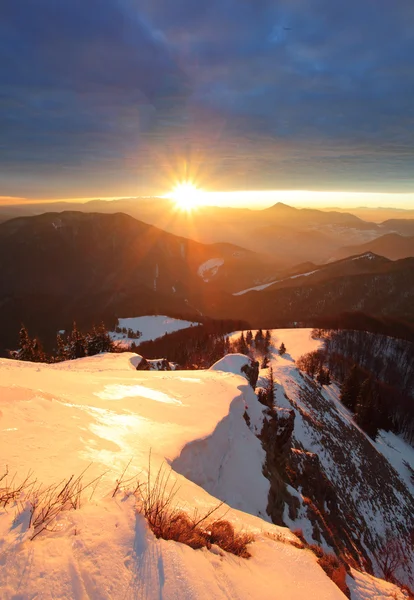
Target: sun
(187, 196)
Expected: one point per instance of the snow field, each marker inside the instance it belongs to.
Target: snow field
(151, 327)
(100, 413)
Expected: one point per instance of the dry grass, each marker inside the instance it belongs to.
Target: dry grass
(45, 504)
(334, 568)
(48, 503)
(156, 501)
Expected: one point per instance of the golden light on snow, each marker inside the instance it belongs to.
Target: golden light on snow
(187, 196)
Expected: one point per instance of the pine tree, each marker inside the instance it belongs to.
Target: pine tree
(25, 351)
(242, 346)
(270, 389)
(268, 341)
(350, 389)
(365, 411)
(61, 349)
(324, 376)
(76, 344)
(265, 362)
(249, 338)
(258, 340)
(282, 349)
(98, 340)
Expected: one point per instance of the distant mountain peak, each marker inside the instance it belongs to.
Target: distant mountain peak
(281, 206)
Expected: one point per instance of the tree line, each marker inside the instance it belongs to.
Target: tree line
(376, 377)
(69, 346)
(196, 347)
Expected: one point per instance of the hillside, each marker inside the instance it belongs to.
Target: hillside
(370, 284)
(290, 235)
(392, 245)
(101, 415)
(88, 267)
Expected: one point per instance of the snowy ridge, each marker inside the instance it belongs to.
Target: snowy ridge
(102, 413)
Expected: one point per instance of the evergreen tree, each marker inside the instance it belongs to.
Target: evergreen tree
(242, 346)
(270, 389)
(62, 349)
(350, 389)
(365, 412)
(25, 351)
(265, 362)
(323, 377)
(29, 349)
(258, 340)
(249, 338)
(268, 341)
(282, 349)
(98, 340)
(76, 344)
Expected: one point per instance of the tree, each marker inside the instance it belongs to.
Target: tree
(98, 340)
(265, 362)
(249, 337)
(350, 389)
(29, 349)
(61, 349)
(365, 411)
(76, 344)
(25, 351)
(282, 349)
(241, 344)
(258, 340)
(323, 377)
(266, 395)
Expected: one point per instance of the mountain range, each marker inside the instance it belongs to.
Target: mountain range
(289, 235)
(61, 267)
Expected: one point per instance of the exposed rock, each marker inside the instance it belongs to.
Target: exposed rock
(160, 364)
(251, 370)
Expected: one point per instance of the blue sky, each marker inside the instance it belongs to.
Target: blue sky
(112, 98)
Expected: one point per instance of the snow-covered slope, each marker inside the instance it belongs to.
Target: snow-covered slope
(100, 414)
(360, 490)
(151, 327)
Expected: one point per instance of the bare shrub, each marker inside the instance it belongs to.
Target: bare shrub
(48, 503)
(222, 533)
(11, 491)
(333, 567)
(156, 502)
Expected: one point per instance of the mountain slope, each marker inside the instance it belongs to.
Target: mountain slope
(67, 416)
(401, 226)
(392, 245)
(87, 267)
(101, 412)
(342, 490)
(262, 231)
(371, 284)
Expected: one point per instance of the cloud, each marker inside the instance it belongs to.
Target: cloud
(309, 91)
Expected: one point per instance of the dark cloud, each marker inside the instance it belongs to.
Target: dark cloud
(291, 93)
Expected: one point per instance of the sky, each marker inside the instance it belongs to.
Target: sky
(128, 97)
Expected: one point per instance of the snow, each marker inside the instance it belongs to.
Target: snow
(210, 268)
(366, 587)
(259, 288)
(232, 363)
(298, 341)
(99, 414)
(368, 255)
(399, 454)
(151, 327)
